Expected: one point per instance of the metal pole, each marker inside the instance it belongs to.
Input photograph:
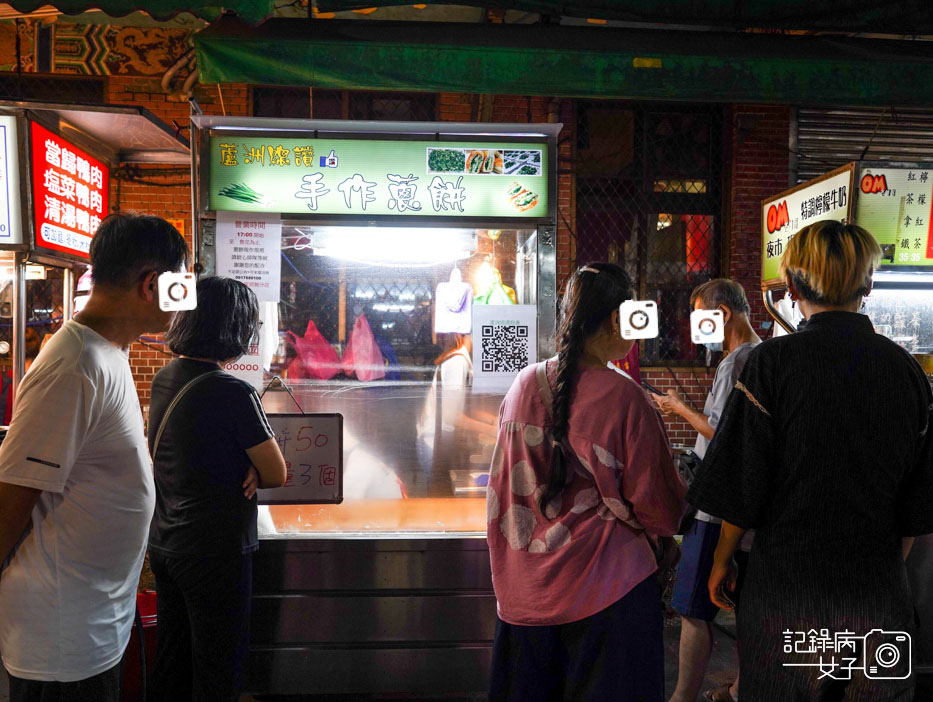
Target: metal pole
(68, 290)
(772, 308)
(193, 139)
(19, 320)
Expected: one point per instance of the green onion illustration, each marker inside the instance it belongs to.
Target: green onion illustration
(244, 193)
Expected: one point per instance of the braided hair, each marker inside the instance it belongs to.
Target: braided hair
(592, 293)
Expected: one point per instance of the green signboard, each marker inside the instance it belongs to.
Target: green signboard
(896, 206)
(369, 177)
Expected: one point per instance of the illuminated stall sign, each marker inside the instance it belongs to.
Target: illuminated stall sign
(896, 206)
(378, 177)
(10, 222)
(70, 193)
(827, 197)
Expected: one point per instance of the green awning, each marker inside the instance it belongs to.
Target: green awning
(911, 17)
(253, 11)
(551, 60)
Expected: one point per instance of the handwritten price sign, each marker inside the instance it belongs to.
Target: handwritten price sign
(312, 445)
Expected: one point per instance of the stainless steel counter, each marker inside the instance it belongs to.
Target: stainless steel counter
(369, 616)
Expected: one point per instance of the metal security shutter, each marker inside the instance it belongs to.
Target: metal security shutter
(830, 137)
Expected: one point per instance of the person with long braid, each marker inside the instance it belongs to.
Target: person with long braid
(582, 487)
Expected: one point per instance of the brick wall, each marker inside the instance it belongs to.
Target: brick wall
(693, 384)
(760, 168)
(162, 190)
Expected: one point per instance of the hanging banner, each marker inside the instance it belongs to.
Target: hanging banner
(70, 190)
(504, 342)
(248, 250)
(783, 215)
(11, 231)
(896, 206)
(378, 177)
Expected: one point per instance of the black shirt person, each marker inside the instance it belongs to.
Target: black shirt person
(215, 444)
(825, 449)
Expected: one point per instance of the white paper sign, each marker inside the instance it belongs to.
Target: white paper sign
(10, 220)
(248, 368)
(248, 250)
(505, 340)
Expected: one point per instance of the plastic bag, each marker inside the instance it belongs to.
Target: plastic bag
(362, 356)
(315, 357)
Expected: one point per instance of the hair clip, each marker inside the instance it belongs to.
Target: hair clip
(589, 269)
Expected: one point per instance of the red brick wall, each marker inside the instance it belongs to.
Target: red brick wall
(760, 167)
(166, 189)
(693, 384)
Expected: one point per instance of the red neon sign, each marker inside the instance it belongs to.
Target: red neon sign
(70, 190)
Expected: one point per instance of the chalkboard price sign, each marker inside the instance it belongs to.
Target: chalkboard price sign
(312, 445)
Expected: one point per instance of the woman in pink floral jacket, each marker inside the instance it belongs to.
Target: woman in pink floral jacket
(581, 487)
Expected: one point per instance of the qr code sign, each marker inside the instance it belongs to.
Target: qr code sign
(503, 347)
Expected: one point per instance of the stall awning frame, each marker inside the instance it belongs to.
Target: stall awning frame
(118, 133)
(252, 11)
(584, 62)
(910, 17)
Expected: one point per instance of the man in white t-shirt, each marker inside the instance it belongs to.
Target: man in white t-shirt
(76, 490)
(691, 596)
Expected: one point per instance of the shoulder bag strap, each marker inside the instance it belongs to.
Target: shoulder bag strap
(175, 400)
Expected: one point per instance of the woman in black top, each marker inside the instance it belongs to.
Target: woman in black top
(214, 450)
(824, 448)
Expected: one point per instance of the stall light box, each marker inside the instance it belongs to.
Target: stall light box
(70, 193)
(394, 246)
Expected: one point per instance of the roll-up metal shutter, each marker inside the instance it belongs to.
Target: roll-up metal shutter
(830, 137)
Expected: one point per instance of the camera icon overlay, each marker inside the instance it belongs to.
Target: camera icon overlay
(887, 655)
(177, 291)
(638, 319)
(707, 326)
(879, 654)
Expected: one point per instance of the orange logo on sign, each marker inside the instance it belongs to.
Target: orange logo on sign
(873, 184)
(777, 217)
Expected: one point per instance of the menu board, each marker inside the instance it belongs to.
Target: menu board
(70, 193)
(782, 216)
(896, 206)
(312, 445)
(378, 177)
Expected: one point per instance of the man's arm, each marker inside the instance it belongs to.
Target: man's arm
(16, 503)
(673, 403)
(723, 575)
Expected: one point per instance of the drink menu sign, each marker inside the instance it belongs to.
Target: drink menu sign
(378, 177)
(70, 193)
(827, 197)
(896, 206)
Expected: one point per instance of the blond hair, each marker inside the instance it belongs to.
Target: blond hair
(831, 263)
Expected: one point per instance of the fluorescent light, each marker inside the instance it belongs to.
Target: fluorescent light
(395, 246)
(902, 277)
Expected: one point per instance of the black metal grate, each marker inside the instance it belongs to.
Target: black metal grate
(274, 101)
(368, 105)
(648, 197)
(78, 90)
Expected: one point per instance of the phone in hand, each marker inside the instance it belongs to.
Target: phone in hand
(727, 598)
(651, 388)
